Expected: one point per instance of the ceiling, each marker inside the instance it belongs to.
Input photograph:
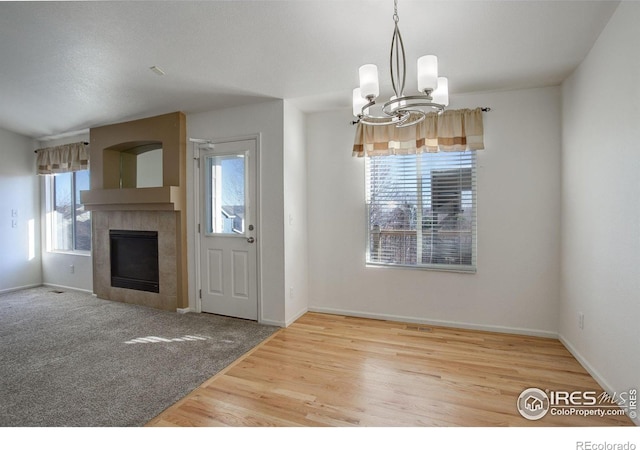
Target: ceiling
(69, 66)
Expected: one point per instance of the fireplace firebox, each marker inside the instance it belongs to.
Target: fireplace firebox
(134, 260)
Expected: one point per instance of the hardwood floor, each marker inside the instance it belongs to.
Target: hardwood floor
(327, 370)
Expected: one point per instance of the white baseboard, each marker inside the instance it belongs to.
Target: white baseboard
(275, 323)
(183, 310)
(300, 313)
(286, 323)
(592, 371)
(19, 288)
(440, 323)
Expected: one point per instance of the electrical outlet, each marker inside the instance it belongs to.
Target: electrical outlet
(581, 320)
(72, 268)
(291, 292)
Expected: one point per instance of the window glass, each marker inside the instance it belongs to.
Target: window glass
(226, 194)
(82, 217)
(70, 224)
(63, 213)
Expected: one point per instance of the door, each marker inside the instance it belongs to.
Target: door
(228, 256)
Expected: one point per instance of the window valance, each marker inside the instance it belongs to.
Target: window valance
(452, 130)
(62, 158)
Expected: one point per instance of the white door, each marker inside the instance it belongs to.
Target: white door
(228, 257)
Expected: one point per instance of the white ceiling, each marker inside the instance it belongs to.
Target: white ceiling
(68, 66)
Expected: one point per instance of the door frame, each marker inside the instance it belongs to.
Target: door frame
(197, 216)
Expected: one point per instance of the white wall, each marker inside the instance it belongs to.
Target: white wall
(149, 169)
(56, 266)
(267, 120)
(20, 264)
(516, 287)
(295, 214)
(601, 205)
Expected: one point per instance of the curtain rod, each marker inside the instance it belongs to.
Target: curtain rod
(36, 151)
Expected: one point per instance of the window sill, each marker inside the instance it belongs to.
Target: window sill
(70, 252)
(470, 270)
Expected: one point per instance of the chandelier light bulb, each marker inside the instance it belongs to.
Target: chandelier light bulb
(427, 73)
(441, 94)
(358, 102)
(369, 86)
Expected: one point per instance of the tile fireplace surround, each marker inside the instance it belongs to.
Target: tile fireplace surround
(158, 209)
(164, 222)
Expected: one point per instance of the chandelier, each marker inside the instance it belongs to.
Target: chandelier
(401, 110)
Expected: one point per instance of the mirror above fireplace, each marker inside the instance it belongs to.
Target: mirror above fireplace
(141, 165)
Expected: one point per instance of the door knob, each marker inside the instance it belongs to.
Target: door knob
(250, 240)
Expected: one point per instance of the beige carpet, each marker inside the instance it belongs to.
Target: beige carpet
(70, 359)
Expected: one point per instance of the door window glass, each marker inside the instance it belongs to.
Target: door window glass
(226, 194)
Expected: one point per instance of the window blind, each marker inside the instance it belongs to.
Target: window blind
(422, 210)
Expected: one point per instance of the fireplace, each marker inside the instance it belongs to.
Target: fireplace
(134, 260)
(116, 207)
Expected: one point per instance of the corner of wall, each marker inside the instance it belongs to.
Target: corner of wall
(295, 214)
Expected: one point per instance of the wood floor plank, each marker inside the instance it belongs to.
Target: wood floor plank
(329, 370)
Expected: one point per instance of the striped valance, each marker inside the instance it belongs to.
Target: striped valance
(452, 130)
(62, 158)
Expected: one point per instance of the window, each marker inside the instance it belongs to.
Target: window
(68, 224)
(422, 210)
(226, 194)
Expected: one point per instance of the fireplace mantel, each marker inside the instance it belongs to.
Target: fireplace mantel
(164, 198)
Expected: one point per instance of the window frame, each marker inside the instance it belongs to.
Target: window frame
(456, 268)
(50, 204)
